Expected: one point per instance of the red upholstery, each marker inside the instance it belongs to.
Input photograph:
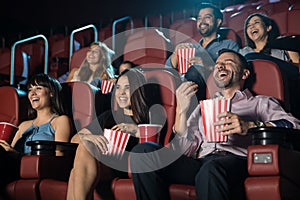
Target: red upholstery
(281, 20)
(292, 18)
(168, 82)
(12, 105)
(78, 57)
(268, 189)
(79, 98)
(124, 189)
(59, 52)
(184, 30)
(21, 62)
(154, 21)
(36, 51)
(147, 47)
(33, 170)
(274, 7)
(84, 37)
(60, 48)
(276, 179)
(229, 33)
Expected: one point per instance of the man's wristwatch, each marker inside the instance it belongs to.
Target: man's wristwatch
(259, 123)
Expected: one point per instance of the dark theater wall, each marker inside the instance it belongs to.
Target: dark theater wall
(20, 18)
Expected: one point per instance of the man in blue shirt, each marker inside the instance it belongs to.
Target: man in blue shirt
(209, 20)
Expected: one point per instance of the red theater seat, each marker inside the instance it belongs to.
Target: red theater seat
(13, 105)
(184, 30)
(273, 171)
(274, 7)
(78, 58)
(21, 64)
(293, 15)
(229, 33)
(147, 47)
(79, 99)
(59, 53)
(36, 51)
(281, 19)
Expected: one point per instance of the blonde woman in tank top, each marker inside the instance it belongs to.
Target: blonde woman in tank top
(97, 64)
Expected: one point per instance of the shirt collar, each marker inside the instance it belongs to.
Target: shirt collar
(237, 95)
(217, 39)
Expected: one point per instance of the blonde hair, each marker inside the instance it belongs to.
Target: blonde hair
(105, 61)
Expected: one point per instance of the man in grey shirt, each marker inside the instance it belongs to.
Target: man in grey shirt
(209, 20)
(217, 170)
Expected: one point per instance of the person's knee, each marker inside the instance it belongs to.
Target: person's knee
(142, 157)
(144, 148)
(207, 171)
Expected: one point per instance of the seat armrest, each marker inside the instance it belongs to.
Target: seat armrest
(274, 160)
(46, 166)
(48, 159)
(263, 160)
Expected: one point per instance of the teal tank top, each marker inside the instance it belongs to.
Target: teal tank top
(42, 132)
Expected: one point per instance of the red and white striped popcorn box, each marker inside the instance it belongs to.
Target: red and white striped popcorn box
(117, 142)
(106, 86)
(210, 109)
(183, 56)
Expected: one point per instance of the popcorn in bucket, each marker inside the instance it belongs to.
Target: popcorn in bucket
(210, 109)
(184, 55)
(106, 86)
(117, 142)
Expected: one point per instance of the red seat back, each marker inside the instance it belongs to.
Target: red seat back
(184, 30)
(147, 47)
(167, 81)
(21, 62)
(80, 101)
(36, 51)
(293, 16)
(13, 105)
(78, 58)
(281, 20)
(229, 33)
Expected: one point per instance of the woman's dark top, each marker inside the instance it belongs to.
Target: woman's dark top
(107, 120)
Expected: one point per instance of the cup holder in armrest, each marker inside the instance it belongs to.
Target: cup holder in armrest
(285, 137)
(43, 147)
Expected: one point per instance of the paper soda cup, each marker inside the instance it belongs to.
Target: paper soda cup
(106, 86)
(183, 56)
(149, 132)
(7, 131)
(117, 142)
(210, 109)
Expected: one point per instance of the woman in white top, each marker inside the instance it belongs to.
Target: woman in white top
(259, 30)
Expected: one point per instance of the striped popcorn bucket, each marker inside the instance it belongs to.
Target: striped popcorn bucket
(210, 109)
(117, 142)
(106, 86)
(183, 56)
